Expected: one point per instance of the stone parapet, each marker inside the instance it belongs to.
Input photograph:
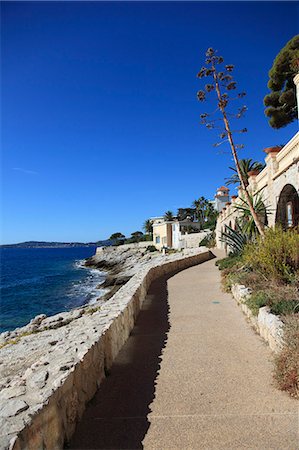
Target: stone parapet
(142, 244)
(48, 377)
(269, 326)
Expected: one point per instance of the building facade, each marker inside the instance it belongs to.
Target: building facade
(177, 234)
(277, 185)
(162, 234)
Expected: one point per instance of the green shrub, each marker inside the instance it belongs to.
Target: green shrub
(147, 237)
(256, 301)
(227, 281)
(119, 242)
(171, 251)
(286, 371)
(228, 262)
(282, 300)
(151, 248)
(208, 241)
(276, 257)
(231, 270)
(284, 307)
(230, 277)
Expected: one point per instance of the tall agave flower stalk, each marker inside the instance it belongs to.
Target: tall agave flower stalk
(221, 83)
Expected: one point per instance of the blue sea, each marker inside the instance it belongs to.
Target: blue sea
(44, 281)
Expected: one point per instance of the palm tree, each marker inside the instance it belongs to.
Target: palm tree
(246, 165)
(210, 216)
(168, 216)
(148, 227)
(200, 207)
(184, 213)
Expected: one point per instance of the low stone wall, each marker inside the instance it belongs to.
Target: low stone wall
(266, 324)
(193, 239)
(65, 365)
(142, 244)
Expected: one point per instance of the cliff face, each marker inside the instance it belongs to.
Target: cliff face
(50, 369)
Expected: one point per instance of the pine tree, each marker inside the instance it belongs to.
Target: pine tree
(281, 107)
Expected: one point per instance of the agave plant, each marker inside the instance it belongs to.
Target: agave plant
(235, 239)
(245, 217)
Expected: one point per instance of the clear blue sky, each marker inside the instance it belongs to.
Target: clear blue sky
(100, 126)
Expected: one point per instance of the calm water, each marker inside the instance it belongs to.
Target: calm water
(36, 281)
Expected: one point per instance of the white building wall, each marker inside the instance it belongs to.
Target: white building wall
(281, 169)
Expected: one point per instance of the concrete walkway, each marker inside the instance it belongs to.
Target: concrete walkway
(193, 375)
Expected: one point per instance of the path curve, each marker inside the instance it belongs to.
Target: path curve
(192, 375)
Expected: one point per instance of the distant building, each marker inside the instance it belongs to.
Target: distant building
(156, 220)
(162, 234)
(182, 230)
(221, 198)
(177, 234)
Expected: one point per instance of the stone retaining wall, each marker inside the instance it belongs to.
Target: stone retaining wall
(142, 244)
(66, 364)
(266, 324)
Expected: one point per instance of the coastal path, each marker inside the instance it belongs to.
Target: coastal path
(192, 375)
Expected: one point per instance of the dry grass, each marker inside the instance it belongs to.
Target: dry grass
(286, 370)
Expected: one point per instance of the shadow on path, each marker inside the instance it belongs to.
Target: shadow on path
(116, 418)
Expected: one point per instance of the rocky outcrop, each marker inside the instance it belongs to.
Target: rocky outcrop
(119, 264)
(50, 371)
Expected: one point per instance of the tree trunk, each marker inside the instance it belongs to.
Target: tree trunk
(256, 219)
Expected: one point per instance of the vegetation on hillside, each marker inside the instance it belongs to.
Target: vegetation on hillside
(117, 238)
(269, 266)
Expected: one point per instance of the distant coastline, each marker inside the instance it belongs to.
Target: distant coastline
(44, 244)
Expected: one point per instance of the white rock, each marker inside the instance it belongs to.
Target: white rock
(38, 379)
(13, 407)
(12, 392)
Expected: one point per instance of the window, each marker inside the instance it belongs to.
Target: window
(164, 240)
(289, 214)
(157, 239)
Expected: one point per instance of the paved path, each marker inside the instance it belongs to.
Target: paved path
(193, 375)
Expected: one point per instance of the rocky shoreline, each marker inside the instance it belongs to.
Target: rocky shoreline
(54, 365)
(119, 264)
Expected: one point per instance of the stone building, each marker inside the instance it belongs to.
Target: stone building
(277, 184)
(221, 198)
(177, 234)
